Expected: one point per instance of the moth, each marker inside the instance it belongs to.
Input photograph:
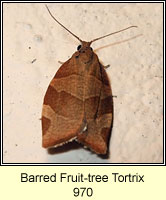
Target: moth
(78, 103)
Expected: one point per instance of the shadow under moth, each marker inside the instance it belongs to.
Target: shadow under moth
(78, 103)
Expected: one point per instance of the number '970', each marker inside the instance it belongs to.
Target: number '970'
(83, 191)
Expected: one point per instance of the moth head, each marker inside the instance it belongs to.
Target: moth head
(84, 52)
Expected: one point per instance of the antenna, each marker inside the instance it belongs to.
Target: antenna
(62, 25)
(92, 40)
(113, 33)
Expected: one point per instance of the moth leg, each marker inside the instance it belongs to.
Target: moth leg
(107, 66)
(60, 62)
(104, 66)
(113, 96)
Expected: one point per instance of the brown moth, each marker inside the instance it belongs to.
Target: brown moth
(78, 103)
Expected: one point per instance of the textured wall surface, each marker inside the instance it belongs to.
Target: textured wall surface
(33, 45)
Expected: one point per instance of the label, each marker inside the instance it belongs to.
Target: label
(80, 177)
